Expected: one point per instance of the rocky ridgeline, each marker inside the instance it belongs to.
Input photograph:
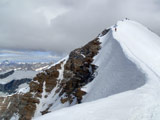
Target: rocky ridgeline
(78, 70)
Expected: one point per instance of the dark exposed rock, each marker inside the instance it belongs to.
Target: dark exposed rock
(104, 32)
(79, 71)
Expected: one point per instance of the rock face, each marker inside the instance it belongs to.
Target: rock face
(79, 70)
(63, 81)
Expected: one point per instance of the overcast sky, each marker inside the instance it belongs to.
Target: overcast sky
(63, 25)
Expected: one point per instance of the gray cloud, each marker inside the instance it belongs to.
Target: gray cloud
(62, 25)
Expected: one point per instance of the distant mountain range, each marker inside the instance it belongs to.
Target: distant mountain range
(33, 66)
(17, 75)
(28, 56)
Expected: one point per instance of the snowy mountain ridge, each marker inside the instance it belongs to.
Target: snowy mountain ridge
(113, 77)
(140, 49)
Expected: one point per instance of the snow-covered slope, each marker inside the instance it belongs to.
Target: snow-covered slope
(115, 74)
(127, 83)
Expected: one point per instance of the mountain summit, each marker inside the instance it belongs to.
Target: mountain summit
(116, 76)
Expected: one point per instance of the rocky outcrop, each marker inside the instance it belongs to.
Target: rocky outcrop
(78, 71)
(65, 78)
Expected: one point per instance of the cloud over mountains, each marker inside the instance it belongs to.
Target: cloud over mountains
(62, 25)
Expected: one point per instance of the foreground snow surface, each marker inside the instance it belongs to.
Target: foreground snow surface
(138, 46)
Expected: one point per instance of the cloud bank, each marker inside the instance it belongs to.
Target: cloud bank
(62, 25)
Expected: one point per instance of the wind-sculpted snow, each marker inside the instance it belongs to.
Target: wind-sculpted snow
(115, 74)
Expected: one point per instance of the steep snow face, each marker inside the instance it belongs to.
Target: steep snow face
(140, 42)
(129, 59)
(115, 74)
